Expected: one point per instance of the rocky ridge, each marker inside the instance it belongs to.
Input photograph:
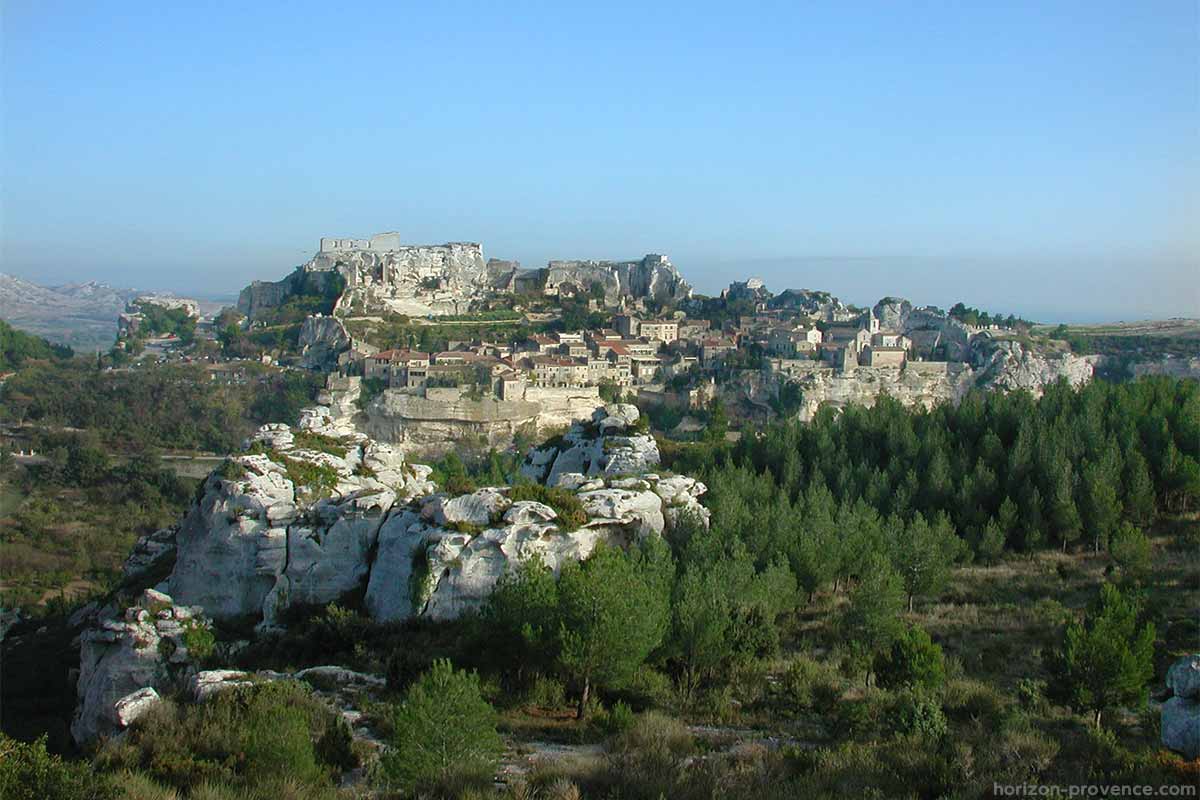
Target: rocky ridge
(433, 280)
(311, 514)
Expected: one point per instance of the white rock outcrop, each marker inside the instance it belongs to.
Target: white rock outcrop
(294, 523)
(306, 518)
(441, 556)
(607, 445)
(1181, 713)
(126, 659)
(135, 704)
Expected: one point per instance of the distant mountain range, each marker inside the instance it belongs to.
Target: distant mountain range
(82, 315)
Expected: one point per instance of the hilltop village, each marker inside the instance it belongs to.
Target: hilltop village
(425, 345)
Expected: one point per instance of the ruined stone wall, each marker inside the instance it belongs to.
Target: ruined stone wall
(440, 418)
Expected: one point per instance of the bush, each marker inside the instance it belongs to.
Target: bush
(546, 692)
(199, 639)
(28, 772)
(861, 718)
(1031, 692)
(912, 660)
(443, 731)
(647, 758)
(615, 720)
(249, 738)
(808, 684)
(915, 713)
(570, 511)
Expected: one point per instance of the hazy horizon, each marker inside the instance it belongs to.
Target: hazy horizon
(1039, 159)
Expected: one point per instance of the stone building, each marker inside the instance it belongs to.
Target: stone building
(559, 371)
(398, 368)
(880, 356)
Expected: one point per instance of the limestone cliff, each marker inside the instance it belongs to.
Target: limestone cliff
(653, 277)
(434, 419)
(288, 524)
(383, 275)
(815, 304)
(990, 364)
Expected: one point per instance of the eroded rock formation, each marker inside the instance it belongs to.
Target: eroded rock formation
(383, 275)
(313, 513)
(127, 658)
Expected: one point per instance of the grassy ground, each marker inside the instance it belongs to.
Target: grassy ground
(60, 544)
(994, 624)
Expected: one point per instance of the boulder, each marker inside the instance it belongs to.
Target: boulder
(211, 682)
(329, 678)
(638, 511)
(616, 417)
(478, 508)
(526, 512)
(149, 553)
(143, 648)
(1183, 677)
(134, 705)
(1181, 726)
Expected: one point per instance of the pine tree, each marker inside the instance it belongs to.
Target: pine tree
(922, 554)
(610, 616)
(1101, 505)
(1106, 660)
(990, 543)
(1062, 512)
(1139, 489)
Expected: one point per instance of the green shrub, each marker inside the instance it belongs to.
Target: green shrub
(1031, 692)
(809, 684)
(317, 478)
(615, 720)
(570, 511)
(199, 639)
(647, 759)
(648, 688)
(912, 660)
(861, 718)
(443, 730)
(916, 713)
(28, 772)
(307, 440)
(546, 692)
(231, 471)
(247, 738)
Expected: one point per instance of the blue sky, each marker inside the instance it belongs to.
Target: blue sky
(1042, 157)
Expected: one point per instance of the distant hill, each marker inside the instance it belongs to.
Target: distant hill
(81, 315)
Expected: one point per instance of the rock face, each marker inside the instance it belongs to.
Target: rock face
(605, 446)
(1181, 713)
(923, 384)
(127, 659)
(308, 519)
(322, 340)
(653, 277)
(434, 420)
(440, 570)
(290, 524)
(383, 275)
(1010, 365)
(817, 305)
